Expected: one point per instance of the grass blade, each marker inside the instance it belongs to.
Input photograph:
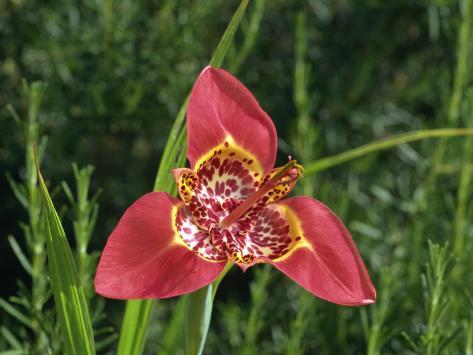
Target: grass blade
(68, 293)
(134, 327)
(197, 319)
(198, 312)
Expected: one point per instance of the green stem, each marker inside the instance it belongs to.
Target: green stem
(461, 72)
(138, 313)
(373, 147)
(463, 193)
(198, 313)
(135, 326)
(251, 34)
(37, 240)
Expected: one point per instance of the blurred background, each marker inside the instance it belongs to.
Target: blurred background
(333, 75)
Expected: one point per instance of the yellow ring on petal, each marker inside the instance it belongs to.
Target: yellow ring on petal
(229, 146)
(299, 240)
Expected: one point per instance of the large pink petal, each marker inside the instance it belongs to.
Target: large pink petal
(220, 106)
(145, 258)
(324, 260)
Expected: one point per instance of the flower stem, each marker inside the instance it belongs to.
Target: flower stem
(376, 146)
(198, 314)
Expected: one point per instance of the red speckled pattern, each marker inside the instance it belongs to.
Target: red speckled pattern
(220, 184)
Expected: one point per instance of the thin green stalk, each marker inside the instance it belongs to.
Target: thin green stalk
(376, 332)
(306, 306)
(469, 337)
(85, 217)
(303, 140)
(198, 313)
(107, 18)
(251, 34)
(28, 195)
(135, 326)
(462, 198)
(463, 53)
(377, 146)
(461, 75)
(306, 134)
(34, 94)
(138, 313)
(259, 296)
(435, 283)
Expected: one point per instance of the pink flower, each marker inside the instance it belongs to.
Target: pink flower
(231, 208)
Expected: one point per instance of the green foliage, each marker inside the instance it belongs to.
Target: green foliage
(334, 76)
(69, 296)
(436, 336)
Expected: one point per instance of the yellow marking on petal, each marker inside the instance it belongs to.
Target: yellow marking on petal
(296, 231)
(187, 182)
(229, 146)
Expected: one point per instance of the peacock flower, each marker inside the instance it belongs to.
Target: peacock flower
(231, 209)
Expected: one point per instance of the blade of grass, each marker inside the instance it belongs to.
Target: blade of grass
(135, 326)
(377, 146)
(198, 313)
(197, 305)
(132, 337)
(69, 297)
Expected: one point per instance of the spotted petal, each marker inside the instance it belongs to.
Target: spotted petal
(145, 258)
(222, 109)
(324, 259)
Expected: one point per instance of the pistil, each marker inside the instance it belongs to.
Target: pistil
(241, 210)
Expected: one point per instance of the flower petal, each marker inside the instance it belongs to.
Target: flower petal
(324, 259)
(145, 258)
(221, 108)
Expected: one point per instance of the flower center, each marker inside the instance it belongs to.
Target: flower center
(278, 179)
(228, 212)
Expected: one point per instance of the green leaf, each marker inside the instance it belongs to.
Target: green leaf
(7, 307)
(228, 36)
(197, 319)
(19, 254)
(14, 352)
(68, 294)
(138, 313)
(10, 338)
(18, 190)
(134, 327)
(198, 313)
